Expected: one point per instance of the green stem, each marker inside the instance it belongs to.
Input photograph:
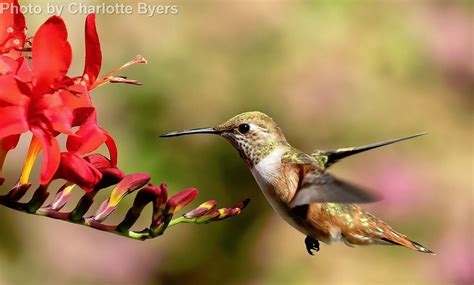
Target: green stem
(180, 220)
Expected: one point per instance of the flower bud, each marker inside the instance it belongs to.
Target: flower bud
(201, 209)
(144, 196)
(128, 184)
(180, 200)
(77, 170)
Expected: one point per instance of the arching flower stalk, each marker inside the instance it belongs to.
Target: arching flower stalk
(38, 97)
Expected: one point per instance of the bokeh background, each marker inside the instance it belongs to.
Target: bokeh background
(332, 74)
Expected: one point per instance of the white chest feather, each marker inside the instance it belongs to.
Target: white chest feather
(268, 168)
(265, 173)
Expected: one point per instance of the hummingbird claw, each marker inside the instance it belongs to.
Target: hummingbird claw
(311, 244)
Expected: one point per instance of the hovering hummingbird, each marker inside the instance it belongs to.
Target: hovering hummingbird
(299, 189)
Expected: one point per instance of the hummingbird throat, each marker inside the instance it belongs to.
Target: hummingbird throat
(252, 150)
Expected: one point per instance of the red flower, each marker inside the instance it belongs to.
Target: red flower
(45, 101)
(12, 40)
(111, 175)
(89, 136)
(35, 105)
(79, 171)
(12, 30)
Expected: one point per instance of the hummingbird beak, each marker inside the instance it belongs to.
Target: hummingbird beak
(191, 132)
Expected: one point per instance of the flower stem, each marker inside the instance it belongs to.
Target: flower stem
(179, 220)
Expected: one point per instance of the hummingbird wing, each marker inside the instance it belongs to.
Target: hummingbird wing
(317, 187)
(330, 157)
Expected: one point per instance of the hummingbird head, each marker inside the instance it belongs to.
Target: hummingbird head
(253, 134)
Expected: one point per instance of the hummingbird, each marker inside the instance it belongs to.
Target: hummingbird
(316, 203)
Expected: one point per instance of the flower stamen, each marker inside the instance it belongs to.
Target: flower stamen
(33, 151)
(115, 79)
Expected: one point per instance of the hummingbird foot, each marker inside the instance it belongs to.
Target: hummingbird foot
(311, 244)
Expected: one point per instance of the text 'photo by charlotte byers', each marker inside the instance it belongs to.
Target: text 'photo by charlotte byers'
(81, 8)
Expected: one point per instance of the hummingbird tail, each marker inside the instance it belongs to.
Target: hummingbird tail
(398, 239)
(335, 155)
(421, 248)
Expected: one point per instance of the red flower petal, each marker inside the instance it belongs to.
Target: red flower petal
(9, 142)
(12, 121)
(51, 155)
(93, 52)
(112, 147)
(75, 97)
(81, 115)
(163, 197)
(99, 161)
(60, 119)
(50, 107)
(86, 140)
(12, 29)
(10, 91)
(110, 176)
(23, 72)
(77, 170)
(51, 54)
(90, 136)
(8, 65)
(44, 102)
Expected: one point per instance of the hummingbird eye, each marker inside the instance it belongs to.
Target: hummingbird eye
(244, 128)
